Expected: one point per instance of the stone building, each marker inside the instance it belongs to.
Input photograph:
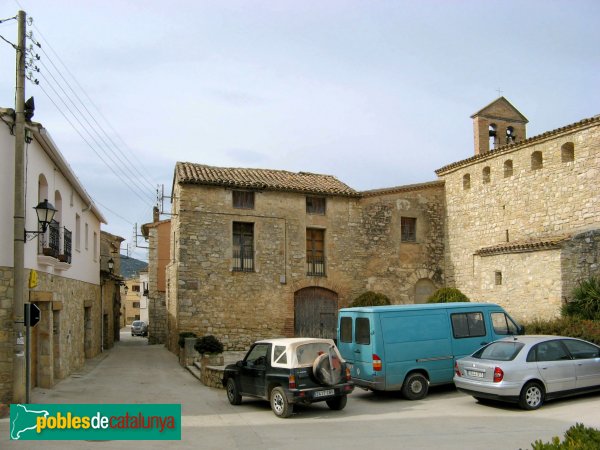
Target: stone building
(110, 286)
(66, 259)
(523, 219)
(261, 253)
(157, 233)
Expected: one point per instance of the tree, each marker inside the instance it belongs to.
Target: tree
(370, 298)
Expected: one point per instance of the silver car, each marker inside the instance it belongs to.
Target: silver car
(530, 369)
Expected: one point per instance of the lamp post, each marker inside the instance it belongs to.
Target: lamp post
(111, 265)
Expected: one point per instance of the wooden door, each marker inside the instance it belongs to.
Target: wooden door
(315, 313)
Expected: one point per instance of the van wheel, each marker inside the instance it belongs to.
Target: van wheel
(279, 403)
(337, 403)
(415, 387)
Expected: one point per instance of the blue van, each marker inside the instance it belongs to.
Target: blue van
(410, 347)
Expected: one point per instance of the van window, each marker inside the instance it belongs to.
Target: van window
(503, 324)
(466, 325)
(346, 329)
(363, 331)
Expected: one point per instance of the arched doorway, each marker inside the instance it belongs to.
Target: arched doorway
(315, 313)
(423, 290)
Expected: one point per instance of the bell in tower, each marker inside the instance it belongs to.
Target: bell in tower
(498, 124)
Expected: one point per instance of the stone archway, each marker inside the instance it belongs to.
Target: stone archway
(315, 312)
(423, 290)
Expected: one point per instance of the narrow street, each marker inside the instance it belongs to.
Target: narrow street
(134, 372)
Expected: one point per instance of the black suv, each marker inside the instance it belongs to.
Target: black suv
(289, 371)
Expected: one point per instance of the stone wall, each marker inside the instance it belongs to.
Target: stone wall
(362, 250)
(560, 198)
(157, 312)
(580, 261)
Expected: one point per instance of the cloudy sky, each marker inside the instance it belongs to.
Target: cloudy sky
(378, 93)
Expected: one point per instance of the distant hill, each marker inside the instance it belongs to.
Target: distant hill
(131, 266)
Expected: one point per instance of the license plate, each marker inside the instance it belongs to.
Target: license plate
(325, 393)
(472, 373)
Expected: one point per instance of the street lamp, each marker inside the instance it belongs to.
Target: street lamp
(45, 213)
(111, 265)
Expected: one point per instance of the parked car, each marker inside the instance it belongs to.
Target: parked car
(290, 371)
(407, 348)
(139, 328)
(529, 370)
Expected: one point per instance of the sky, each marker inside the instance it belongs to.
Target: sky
(378, 93)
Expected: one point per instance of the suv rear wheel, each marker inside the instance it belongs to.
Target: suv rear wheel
(279, 403)
(337, 403)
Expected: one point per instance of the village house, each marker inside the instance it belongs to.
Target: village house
(261, 253)
(110, 286)
(65, 258)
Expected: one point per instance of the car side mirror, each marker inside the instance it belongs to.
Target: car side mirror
(240, 363)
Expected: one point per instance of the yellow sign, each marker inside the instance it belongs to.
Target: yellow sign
(33, 279)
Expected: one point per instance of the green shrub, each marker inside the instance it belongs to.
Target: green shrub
(447, 295)
(588, 330)
(586, 300)
(370, 298)
(208, 344)
(578, 437)
(183, 335)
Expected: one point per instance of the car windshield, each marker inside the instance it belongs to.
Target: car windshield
(499, 351)
(307, 353)
(137, 324)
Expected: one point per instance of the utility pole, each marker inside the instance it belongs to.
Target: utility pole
(19, 388)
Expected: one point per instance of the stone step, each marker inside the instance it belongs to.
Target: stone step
(195, 371)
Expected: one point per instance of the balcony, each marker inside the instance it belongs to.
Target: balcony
(315, 266)
(54, 249)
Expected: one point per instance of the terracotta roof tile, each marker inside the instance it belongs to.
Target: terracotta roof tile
(267, 179)
(524, 246)
(510, 147)
(406, 188)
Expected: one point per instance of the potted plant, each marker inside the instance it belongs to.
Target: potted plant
(210, 349)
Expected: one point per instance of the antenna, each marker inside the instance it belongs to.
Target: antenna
(136, 236)
(161, 198)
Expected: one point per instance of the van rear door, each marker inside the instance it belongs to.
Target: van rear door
(355, 343)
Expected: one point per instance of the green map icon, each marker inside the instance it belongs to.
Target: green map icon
(23, 419)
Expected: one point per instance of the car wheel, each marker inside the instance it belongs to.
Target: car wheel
(279, 403)
(233, 394)
(532, 396)
(415, 387)
(337, 403)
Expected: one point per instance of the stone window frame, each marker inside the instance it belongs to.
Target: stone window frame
(537, 160)
(486, 175)
(567, 152)
(316, 205)
(466, 181)
(508, 168)
(242, 246)
(242, 199)
(315, 252)
(408, 229)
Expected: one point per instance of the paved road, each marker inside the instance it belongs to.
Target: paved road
(134, 372)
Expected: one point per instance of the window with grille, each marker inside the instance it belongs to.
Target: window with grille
(243, 247)
(315, 252)
(315, 205)
(243, 199)
(409, 229)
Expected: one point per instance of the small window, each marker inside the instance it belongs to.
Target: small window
(243, 199)
(466, 182)
(363, 331)
(498, 278)
(408, 230)
(537, 161)
(346, 329)
(77, 232)
(486, 175)
(135, 288)
(243, 247)
(567, 152)
(467, 325)
(279, 355)
(315, 205)
(136, 304)
(508, 168)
